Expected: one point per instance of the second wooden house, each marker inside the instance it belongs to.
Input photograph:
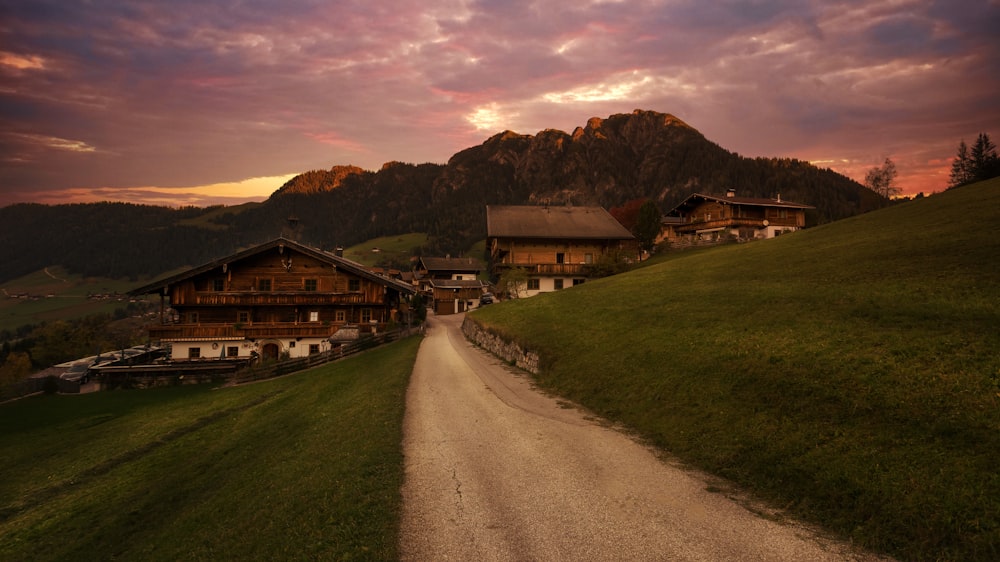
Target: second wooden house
(555, 247)
(712, 218)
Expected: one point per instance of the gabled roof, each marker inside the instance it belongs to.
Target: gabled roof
(591, 223)
(328, 257)
(470, 265)
(456, 284)
(696, 198)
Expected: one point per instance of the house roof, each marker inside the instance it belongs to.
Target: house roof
(592, 223)
(328, 257)
(696, 198)
(456, 284)
(471, 265)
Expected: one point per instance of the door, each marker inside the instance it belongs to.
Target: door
(269, 351)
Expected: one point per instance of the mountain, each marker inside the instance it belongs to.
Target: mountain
(609, 162)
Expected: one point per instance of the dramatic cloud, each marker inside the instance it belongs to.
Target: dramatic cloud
(101, 100)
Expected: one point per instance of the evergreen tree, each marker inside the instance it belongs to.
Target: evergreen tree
(978, 164)
(984, 158)
(961, 168)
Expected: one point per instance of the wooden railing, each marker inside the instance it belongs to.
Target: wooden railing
(733, 222)
(577, 269)
(311, 298)
(261, 330)
(268, 370)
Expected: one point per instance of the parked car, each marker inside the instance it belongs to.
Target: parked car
(487, 298)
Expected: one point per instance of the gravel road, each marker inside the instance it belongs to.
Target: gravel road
(498, 471)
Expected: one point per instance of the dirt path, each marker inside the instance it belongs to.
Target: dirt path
(498, 471)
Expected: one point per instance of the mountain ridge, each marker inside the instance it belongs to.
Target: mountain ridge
(608, 162)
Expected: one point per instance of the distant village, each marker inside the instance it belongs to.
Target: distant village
(284, 300)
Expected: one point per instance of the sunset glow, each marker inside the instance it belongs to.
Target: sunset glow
(101, 101)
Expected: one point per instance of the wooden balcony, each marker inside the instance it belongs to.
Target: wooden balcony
(255, 331)
(253, 298)
(564, 269)
(736, 222)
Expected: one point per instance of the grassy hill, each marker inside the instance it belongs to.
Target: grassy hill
(307, 467)
(849, 372)
(55, 294)
(398, 247)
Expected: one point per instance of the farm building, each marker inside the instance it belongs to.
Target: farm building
(277, 299)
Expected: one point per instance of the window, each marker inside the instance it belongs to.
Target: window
(313, 348)
(218, 284)
(366, 315)
(291, 344)
(558, 283)
(579, 282)
(340, 316)
(194, 352)
(533, 285)
(310, 284)
(314, 316)
(243, 316)
(232, 351)
(264, 285)
(192, 317)
(588, 258)
(560, 257)
(353, 285)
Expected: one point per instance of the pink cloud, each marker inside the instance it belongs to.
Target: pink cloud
(196, 93)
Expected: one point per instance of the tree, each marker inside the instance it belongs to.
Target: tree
(512, 282)
(882, 179)
(16, 367)
(978, 164)
(648, 225)
(961, 167)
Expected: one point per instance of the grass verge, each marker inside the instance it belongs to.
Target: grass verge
(302, 467)
(848, 372)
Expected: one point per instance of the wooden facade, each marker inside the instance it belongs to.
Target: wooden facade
(453, 296)
(447, 268)
(277, 298)
(712, 218)
(557, 247)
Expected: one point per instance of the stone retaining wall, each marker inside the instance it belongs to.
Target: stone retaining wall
(507, 351)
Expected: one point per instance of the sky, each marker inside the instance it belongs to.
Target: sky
(201, 102)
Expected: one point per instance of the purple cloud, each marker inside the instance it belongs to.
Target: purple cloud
(119, 95)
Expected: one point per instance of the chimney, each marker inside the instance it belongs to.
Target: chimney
(339, 251)
(291, 231)
(779, 198)
(731, 193)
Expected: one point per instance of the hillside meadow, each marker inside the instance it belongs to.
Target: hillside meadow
(305, 467)
(849, 373)
(60, 296)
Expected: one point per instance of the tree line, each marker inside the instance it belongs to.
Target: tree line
(970, 165)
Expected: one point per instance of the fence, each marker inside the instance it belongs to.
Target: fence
(269, 369)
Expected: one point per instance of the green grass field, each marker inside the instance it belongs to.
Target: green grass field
(848, 372)
(306, 467)
(62, 296)
(399, 246)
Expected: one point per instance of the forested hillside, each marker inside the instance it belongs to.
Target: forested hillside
(609, 162)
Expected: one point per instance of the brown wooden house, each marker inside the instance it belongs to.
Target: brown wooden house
(453, 296)
(556, 246)
(703, 217)
(277, 298)
(456, 269)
